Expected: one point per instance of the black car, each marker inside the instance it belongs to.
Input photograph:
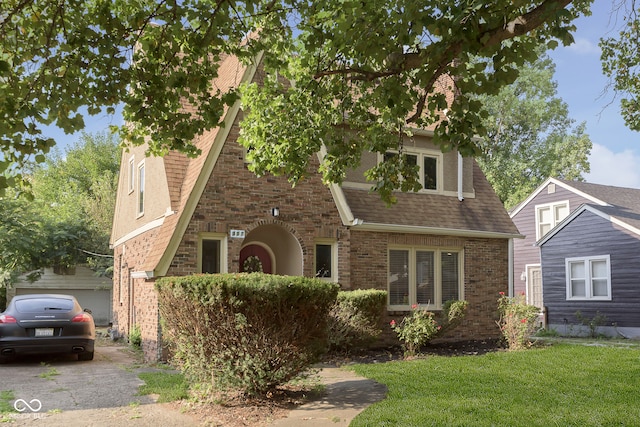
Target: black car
(46, 324)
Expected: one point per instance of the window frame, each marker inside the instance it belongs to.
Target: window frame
(142, 180)
(412, 276)
(220, 237)
(132, 174)
(588, 279)
(554, 220)
(421, 153)
(334, 258)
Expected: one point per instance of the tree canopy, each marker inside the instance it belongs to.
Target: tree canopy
(68, 219)
(375, 67)
(530, 136)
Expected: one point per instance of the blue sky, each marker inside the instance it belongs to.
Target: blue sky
(615, 158)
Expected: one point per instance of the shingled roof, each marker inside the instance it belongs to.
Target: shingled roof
(618, 202)
(482, 215)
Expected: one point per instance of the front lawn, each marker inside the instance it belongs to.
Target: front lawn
(561, 385)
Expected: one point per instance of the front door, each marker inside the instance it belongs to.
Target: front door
(534, 286)
(255, 258)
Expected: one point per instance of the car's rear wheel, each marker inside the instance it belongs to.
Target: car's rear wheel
(87, 355)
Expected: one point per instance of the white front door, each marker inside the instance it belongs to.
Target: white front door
(534, 286)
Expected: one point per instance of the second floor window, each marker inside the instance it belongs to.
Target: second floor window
(550, 215)
(428, 167)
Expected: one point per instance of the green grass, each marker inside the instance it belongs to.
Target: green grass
(560, 385)
(6, 399)
(167, 385)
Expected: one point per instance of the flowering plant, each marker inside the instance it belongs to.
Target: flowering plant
(517, 320)
(416, 330)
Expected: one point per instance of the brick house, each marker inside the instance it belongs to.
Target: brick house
(179, 216)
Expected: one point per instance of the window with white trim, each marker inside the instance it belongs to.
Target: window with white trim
(588, 278)
(132, 175)
(424, 277)
(429, 164)
(549, 215)
(212, 254)
(141, 185)
(326, 259)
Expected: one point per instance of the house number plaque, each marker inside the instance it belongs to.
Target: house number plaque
(237, 234)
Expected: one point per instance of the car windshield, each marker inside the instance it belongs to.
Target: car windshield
(36, 305)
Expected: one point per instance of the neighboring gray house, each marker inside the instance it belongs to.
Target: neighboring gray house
(92, 292)
(581, 253)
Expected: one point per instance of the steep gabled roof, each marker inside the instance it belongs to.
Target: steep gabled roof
(483, 215)
(187, 177)
(568, 185)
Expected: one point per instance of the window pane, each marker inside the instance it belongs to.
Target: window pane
(545, 215)
(141, 189)
(398, 277)
(578, 289)
(211, 256)
(577, 270)
(411, 159)
(562, 211)
(600, 288)
(323, 261)
(430, 173)
(599, 269)
(425, 275)
(450, 279)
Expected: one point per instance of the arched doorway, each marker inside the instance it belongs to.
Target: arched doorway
(256, 258)
(276, 244)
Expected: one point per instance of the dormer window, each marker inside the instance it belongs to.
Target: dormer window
(429, 163)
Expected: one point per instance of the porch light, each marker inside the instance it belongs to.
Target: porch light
(275, 211)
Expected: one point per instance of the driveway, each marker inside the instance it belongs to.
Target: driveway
(61, 391)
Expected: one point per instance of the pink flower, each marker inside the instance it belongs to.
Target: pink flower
(524, 320)
(393, 323)
(502, 293)
(414, 306)
(439, 327)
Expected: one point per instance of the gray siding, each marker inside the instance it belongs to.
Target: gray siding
(588, 235)
(524, 250)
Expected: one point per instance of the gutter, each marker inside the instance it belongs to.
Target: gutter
(415, 229)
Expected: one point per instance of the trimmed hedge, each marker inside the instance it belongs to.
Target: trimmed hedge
(248, 332)
(356, 318)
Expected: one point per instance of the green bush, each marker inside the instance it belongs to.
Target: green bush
(421, 326)
(355, 319)
(517, 321)
(247, 332)
(135, 336)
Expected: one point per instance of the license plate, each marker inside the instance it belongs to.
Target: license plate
(44, 332)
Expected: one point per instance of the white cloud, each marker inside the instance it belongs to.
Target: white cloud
(618, 169)
(583, 46)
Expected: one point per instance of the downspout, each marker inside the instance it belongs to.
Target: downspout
(460, 196)
(511, 289)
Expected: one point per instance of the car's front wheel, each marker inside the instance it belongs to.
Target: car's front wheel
(87, 355)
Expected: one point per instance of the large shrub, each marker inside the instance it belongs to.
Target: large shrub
(249, 332)
(355, 319)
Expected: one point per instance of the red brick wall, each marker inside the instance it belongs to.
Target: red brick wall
(485, 275)
(134, 299)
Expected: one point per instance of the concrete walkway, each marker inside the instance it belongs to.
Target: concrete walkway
(346, 395)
